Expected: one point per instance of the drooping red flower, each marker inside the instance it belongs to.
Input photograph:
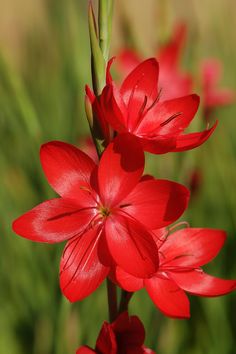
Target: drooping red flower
(136, 108)
(104, 212)
(213, 96)
(181, 256)
(124, 336)
(173, 82)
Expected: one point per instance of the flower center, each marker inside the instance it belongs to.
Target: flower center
(104, 211)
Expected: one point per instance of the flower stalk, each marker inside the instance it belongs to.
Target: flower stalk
(100, 39)
(112, 300)
(124, 301)
(97, 59)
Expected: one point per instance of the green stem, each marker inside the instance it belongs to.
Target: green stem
(105, 26)
(124, 301)
(112, 300)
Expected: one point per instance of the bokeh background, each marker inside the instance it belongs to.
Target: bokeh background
(44, 65)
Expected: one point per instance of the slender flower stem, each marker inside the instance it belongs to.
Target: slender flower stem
(100, 44)
(124, 301)
(112, 300)
(97, 59)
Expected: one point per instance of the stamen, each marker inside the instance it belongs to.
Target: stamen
(125, 205)
(181, 223)
(141, 110)
(170, 119)
(94, 243)
(157, 99)
(91, 192)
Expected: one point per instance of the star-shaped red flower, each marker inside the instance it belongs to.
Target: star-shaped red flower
(136, 108)
(104, 212)
(181, 255)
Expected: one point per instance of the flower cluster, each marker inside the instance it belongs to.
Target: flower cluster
(115, 219)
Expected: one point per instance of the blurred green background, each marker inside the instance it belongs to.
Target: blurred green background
(44, 65)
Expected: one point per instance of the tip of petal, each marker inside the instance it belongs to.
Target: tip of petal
(195, 97)
(89, 94)
(151, 61)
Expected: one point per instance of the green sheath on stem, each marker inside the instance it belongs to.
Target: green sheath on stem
(98, 62)
(105, 26)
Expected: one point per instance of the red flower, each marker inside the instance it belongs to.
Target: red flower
(124, 336)
(180, 256)
(212, 95)
(172, 81)
(104, 212)
(135, 108)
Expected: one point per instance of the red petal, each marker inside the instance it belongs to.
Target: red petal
(140, 86)
(169, 117)
(106, 342)
(53, 221)
(131, 246)
(127, 281)
(66, 168)
(199, 283)
(109, 80)
(89, 93)
(190, 141)
(156, 203)
(113, 108)
(192, 247)
(159, 144)
(99, 122)
(80, 270)
(85, 350)
(168, 297)
(120, 169)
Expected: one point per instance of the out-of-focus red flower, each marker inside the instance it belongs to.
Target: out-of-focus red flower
(104, 212)
(136, 108)
(181, 255)
(214, 96)
(124, 336)
(173, 82)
